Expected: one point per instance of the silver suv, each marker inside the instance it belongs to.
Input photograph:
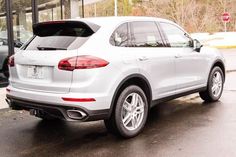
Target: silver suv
(110, 68)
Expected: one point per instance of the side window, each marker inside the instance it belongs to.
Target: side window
(146, 34)
(120, 36)
(176, 37)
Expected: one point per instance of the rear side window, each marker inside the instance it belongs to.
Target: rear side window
(59, 35)
(120, 36)
(146, 34)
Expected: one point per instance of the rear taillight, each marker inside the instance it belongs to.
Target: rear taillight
(81, 62)
(11, 61)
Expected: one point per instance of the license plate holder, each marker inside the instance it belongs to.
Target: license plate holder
(35, 72)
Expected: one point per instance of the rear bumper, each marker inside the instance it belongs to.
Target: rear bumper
(59, 111)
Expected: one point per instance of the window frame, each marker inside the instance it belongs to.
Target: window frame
(128, 34)
(158, 31)
(177, 26)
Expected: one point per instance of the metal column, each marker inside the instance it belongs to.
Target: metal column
(83, 8)
(61, 5)
(35, 13)
(9, 18)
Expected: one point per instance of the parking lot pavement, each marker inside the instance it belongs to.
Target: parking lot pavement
(229, 54)
(185, 127)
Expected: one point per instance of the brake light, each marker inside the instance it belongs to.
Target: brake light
(81, 62)
(11, 61)
(79, 99)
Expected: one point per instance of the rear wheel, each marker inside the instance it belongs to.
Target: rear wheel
(215, 86)
(130, 113)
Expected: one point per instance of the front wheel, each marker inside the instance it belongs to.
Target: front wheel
(130, 113)
(215, 86)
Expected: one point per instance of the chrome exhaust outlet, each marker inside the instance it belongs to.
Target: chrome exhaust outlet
(76, 114)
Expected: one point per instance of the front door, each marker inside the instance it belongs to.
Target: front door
(189, 64)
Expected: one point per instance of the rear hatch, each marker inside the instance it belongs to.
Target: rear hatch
(36, 64)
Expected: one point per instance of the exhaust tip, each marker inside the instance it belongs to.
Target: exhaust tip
(76, 114)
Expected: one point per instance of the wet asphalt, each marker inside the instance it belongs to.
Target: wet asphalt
(185, 127)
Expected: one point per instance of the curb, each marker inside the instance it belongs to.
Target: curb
(4, 109)
(225, 47)
(230, 71)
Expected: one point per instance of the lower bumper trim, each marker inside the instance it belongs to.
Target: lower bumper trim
(59, 111)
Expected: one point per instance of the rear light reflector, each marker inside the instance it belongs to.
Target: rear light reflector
(11, 61)
(81, 62)
(8, 90)
(79, 99)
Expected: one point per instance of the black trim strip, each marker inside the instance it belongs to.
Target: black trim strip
(158, 101)
(23, 104)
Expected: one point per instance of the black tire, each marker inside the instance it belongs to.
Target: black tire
(115, 124)
(208, 95)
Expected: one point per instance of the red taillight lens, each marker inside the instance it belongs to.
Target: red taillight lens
(67, 64)
(79, 99)
(81, 62)
(11, 61)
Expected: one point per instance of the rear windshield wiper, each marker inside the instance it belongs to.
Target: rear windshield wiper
(50, 48)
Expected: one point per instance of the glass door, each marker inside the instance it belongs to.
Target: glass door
(3, 45)
(22, 22)
(49, 10)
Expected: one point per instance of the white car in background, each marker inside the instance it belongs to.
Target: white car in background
(110, 68)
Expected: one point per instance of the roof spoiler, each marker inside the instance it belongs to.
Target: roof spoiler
(88, 25)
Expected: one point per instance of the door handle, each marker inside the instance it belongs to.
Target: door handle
(143, 58)
(178, 56)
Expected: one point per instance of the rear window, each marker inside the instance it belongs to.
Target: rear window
(60, 35)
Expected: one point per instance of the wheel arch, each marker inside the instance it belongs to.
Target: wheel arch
(134, 79)
(220, 64)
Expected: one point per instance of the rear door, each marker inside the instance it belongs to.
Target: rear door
(154, 59)
(36, 64)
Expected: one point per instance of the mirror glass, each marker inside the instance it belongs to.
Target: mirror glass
(197, 45)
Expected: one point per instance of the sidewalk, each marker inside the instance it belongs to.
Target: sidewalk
(230, 56)
(3, 104)
(220, 40)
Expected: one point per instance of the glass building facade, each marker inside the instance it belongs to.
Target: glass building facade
(18, 16)
(21, 14)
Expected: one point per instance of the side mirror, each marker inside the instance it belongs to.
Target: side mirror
(18, 44)
(197, 45)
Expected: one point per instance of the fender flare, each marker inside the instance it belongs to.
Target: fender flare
(221, 62)
(122, 83)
